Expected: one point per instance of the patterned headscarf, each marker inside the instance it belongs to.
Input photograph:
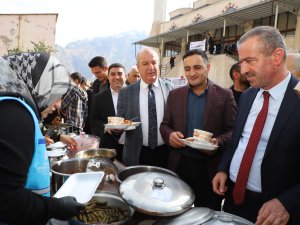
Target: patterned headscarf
(36, 75)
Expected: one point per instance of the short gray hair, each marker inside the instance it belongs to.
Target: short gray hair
(269, 37)
(146, 49)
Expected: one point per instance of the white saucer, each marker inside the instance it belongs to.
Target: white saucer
(199, 145)
(116, 126)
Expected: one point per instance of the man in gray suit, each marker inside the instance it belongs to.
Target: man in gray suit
(133, 103)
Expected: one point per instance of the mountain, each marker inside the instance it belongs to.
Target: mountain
(116, 49)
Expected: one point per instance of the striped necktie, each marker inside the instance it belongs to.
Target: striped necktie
(152, 134)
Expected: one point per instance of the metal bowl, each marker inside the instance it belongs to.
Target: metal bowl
(112, 200)
(100, 152)
(131, 170)
(62, 170)
(69, 166)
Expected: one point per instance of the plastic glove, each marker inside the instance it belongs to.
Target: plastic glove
(68, 207)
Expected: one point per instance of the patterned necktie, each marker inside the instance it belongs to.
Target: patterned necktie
(244, 171)
(152, 134)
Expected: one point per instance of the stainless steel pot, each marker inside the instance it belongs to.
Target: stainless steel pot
(99, 152)
(157, 194)
(131, 170)
(112, 200)
(203, 216)
(61, 170)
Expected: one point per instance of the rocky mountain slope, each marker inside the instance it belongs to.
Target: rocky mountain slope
(116, 49)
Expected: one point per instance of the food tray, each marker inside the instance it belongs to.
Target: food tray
(82, 186)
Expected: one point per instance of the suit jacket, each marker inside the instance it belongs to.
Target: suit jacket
(219, 115)
(280, 168)
(98, 87)
(129, 107)
(102, 108)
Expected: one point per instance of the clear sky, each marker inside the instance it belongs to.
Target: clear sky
(81, 19)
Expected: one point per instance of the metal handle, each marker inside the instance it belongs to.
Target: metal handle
(158, 183)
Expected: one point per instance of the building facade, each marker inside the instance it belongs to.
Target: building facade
(225, 21)
(20, 31)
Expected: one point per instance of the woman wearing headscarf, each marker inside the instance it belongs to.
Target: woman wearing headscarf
(29, 83)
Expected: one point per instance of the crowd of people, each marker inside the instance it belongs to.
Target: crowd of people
(254, 124)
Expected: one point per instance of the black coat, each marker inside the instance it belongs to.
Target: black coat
(280, 168)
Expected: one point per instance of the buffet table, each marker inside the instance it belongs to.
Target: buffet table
(107, 186)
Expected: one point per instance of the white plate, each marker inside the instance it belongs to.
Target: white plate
(118, 127)
(82, 186)
(57, 152)
(58, 144)
(200, 145)
(133, 125)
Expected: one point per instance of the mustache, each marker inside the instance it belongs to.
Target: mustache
(249, 74)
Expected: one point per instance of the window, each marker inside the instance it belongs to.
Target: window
(172, 48)
(286, 22)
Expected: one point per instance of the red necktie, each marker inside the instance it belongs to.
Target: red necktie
(244, 171)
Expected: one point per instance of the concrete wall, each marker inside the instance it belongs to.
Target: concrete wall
(220, 65)
(19, 30)
(219, 72)
(206, 12)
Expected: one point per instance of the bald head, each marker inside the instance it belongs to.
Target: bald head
(293, 64)
(133, 75)
(147, 64)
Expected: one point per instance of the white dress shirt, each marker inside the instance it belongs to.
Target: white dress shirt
(276, 96)
(159, 100)
(115, 99)
(115, 96)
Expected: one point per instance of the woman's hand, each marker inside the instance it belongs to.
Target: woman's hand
(69, 141)
(48, 140)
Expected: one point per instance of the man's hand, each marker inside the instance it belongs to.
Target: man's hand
(219, 183)
(175, 141)
(214, 141)
(272, 212)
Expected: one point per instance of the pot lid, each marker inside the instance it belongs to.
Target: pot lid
(157, 194)
(193, 216)
(221, 218)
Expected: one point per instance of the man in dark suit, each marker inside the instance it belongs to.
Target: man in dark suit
(266, 189)
(199, 105)
(105, 104)
(134, 102)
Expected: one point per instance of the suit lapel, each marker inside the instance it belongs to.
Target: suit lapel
(289, 102)
(185, 96)
(209, 102)
(243, 112)
(164, 90)
(136, 100)
(110, 102)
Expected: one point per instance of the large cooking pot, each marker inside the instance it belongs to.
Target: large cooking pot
(61, 170)
(99, 152)
(111, 200)
(157, 194)
(131, 170)
(203, 216)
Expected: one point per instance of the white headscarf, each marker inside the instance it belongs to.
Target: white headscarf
(36, 74)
